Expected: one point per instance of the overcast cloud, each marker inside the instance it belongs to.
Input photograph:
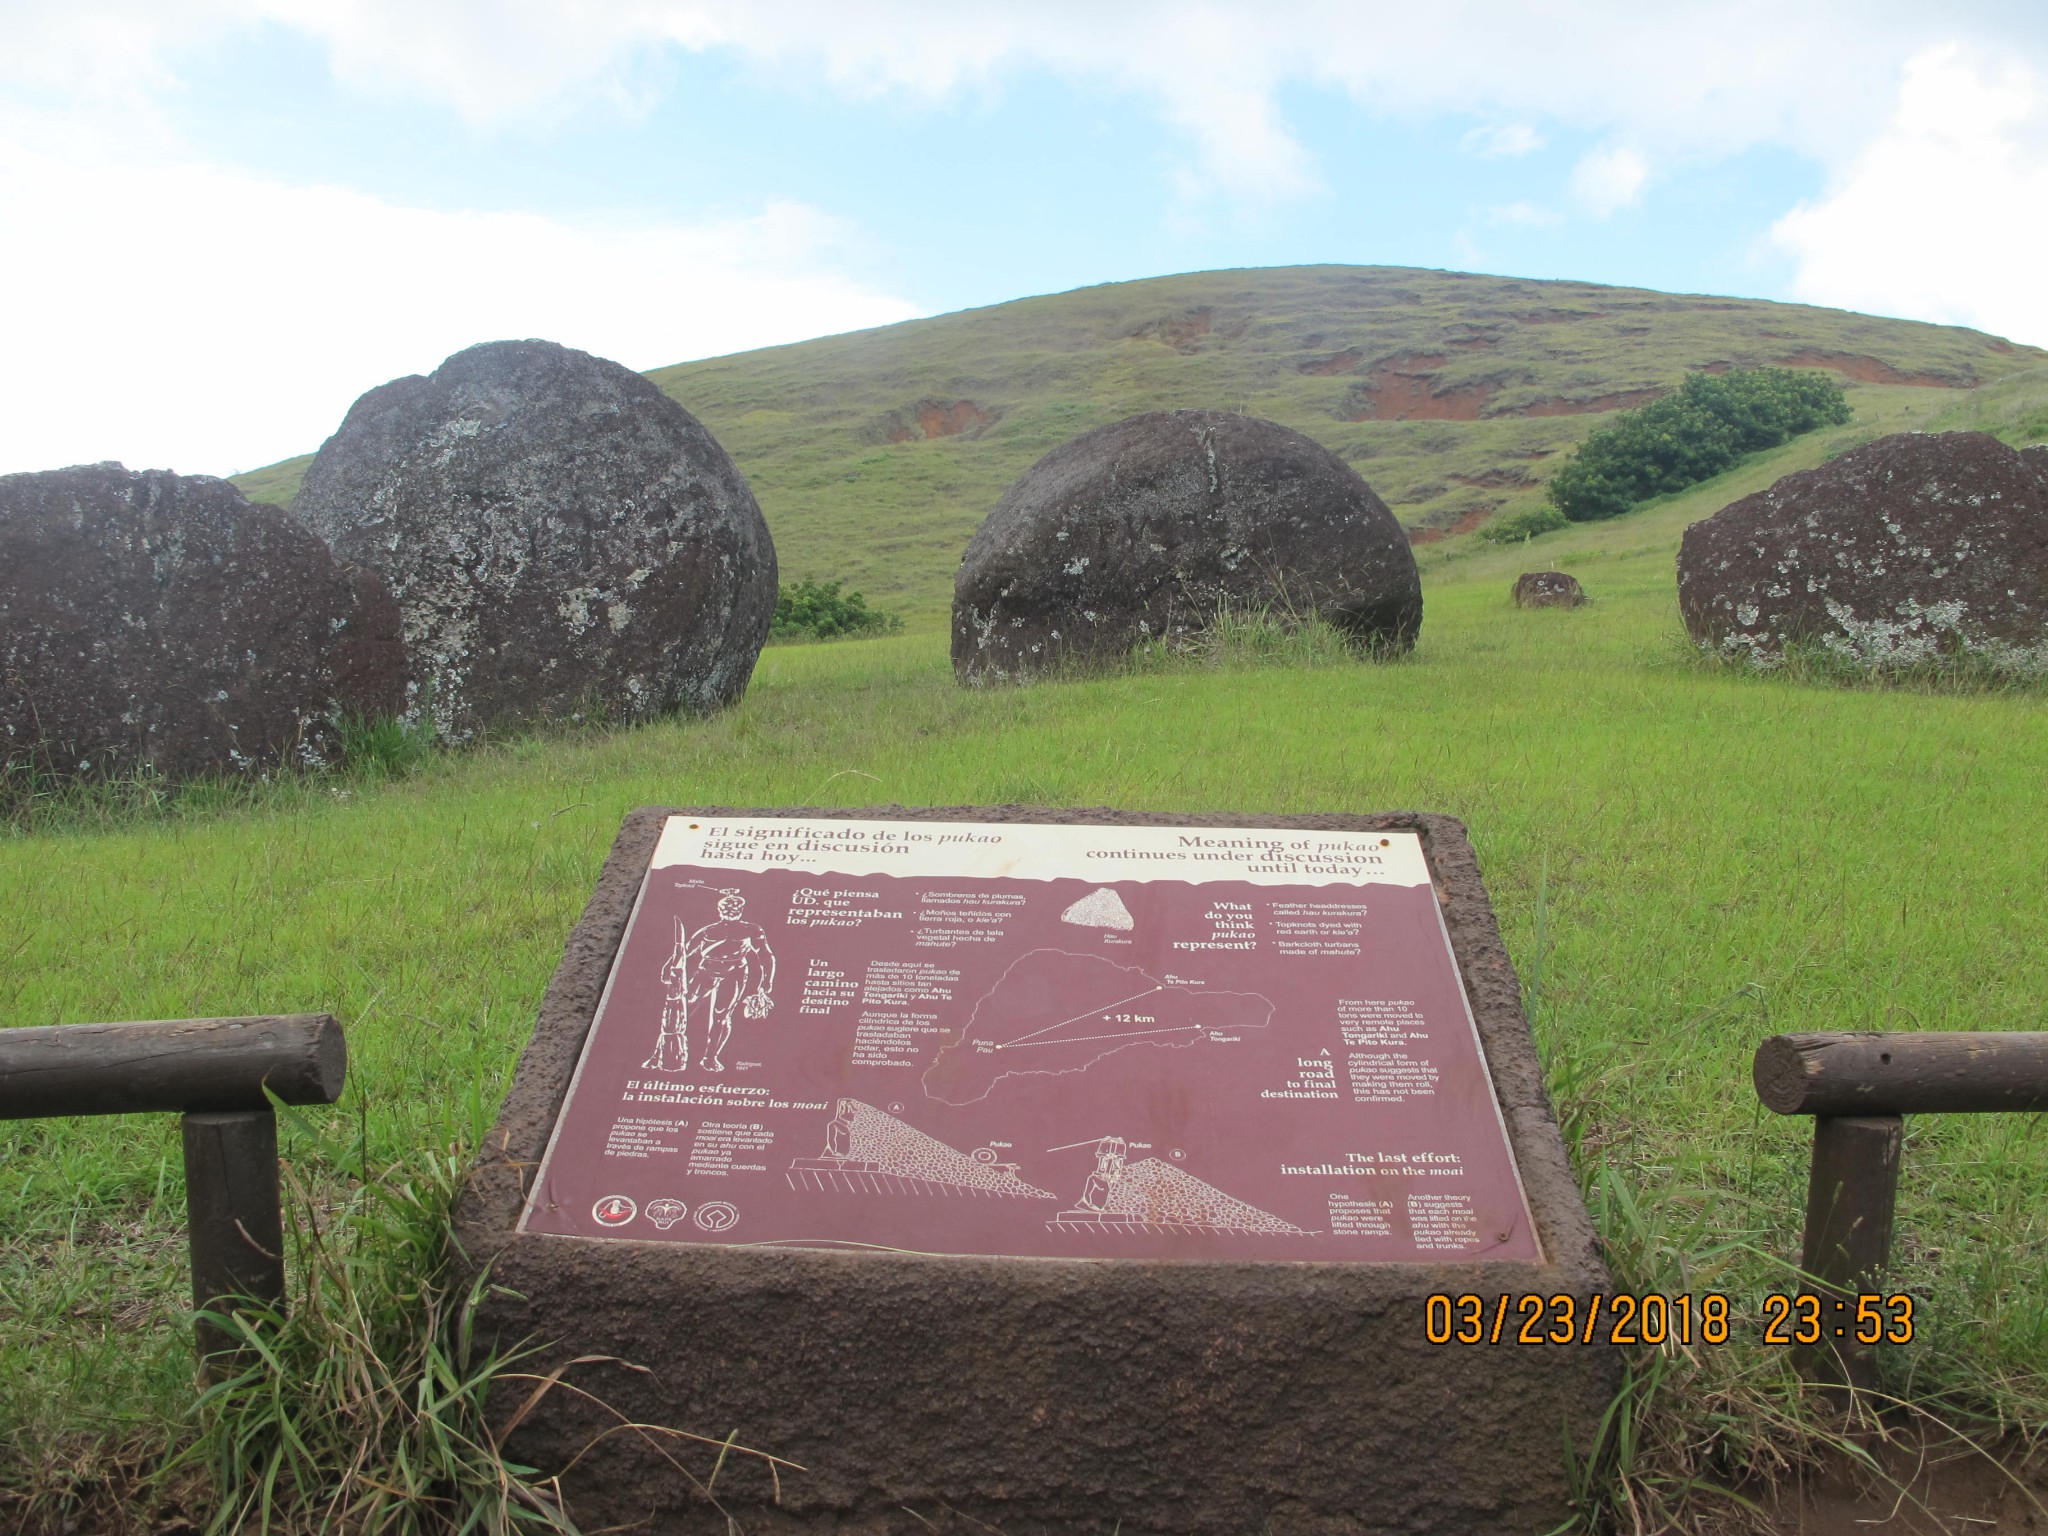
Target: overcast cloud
(1929, 128)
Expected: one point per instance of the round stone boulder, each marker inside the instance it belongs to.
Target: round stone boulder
(1548, 589)
(161, 623)
(564, 540)
(1910, 548)
(1147, 528)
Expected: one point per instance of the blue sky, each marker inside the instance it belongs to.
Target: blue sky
(1036, 185)
(224, 219)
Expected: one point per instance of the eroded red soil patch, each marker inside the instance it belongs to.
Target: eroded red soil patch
(1404, 388)
(1465, 524)
(1871, 370)
(935, 418)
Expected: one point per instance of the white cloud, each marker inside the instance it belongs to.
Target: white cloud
(1678, 79)
(137, 265)
(1525, 214)
(196, 318)
(1504, 139)
(1610, 178)
(1945, 215)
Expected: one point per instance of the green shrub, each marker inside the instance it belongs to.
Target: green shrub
(1525, 524)
(818, 610)
(1710, 423)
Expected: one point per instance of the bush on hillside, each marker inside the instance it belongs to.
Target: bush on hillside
(818, 610)
(1515, 527)
(1709, 424)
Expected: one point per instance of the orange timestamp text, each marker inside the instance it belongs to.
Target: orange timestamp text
(1651, 1318)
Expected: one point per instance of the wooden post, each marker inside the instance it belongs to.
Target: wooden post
(231, 1202)
(1850, 1196)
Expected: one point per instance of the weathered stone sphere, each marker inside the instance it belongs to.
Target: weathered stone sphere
(1907, 549)
(1145, 528)
(1548, 589)
(564, 540)
(152, 622)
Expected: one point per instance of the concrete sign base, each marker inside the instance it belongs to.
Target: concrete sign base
(1091, 1177)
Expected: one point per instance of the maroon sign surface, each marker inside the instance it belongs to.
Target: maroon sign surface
(1069, 1042)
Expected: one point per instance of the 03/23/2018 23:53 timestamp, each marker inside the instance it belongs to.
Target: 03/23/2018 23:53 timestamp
(1654, 1319)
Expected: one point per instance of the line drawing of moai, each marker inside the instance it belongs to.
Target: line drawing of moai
(1111, 1155)
(1154, 1196)
(870, 1152)
(726, 967)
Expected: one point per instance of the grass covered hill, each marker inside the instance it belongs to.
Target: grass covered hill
(876, 454)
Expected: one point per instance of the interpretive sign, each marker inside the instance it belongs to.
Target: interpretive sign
(1029, 1040)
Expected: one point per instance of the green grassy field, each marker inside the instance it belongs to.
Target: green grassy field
(1683, 859)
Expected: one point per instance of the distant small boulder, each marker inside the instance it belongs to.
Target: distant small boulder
(162, 623)
(1146, 528)
(563, 539)
(1548, 589)
(1907, 549)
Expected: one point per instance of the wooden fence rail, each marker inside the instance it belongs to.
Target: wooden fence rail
(213, 1072)
(1858, 1088)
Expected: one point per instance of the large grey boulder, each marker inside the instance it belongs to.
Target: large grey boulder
(1907, 549)
(152, 622)
(564, 540)
(1147, 527)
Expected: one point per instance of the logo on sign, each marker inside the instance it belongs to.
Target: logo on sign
(614, 1211)
(666, 1213)
(718, 1216)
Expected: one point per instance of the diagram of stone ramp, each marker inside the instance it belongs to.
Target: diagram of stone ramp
(1155, 1196)
(868, 1151)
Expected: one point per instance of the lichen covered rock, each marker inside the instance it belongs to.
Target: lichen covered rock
(1912, 548)
(563, 539)
(161, 623)
(1548, 589)
(1147, 528)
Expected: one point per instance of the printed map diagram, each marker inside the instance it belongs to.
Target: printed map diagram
(868, 1151)
(1054, 1011)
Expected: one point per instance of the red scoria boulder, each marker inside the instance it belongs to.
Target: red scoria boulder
(1907, 549)
(1548, 589)
(162, 623)
(1148, 527)
(563, 539)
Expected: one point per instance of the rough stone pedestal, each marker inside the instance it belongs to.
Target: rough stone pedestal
(1039, 1396)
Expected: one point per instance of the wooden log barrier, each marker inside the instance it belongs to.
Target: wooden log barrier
(1857, 1087)
(1930, 1074)
(214, 1071)
(175, 1065)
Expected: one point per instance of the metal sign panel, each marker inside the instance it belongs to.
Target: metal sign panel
(1073, 1041)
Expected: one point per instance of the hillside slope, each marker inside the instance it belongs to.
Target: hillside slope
(876, 454)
